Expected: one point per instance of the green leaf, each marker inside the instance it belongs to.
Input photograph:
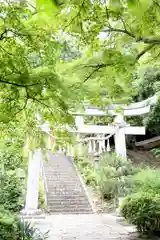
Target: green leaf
(49, 6)
(115, 5)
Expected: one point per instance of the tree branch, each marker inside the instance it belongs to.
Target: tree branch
(96, 69)
(155, 41)
(24, 106)
(42, 103)
(76, 16)
(148, 48)
(6, 51)
(2, 34)
(125, 31)
(17, 85)
(95, 65)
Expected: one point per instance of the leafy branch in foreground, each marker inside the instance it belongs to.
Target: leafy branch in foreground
(111, 32)
(28, 57)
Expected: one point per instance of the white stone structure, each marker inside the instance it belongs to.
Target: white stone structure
(119, 127)
(34, 168)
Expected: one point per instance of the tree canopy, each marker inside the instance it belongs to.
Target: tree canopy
(117, 35)
(29, 53)
(57, 54)
(108, 39)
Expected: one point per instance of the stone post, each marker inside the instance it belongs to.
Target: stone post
(94, 146)
(120, 141)
(34, 167)
(90, 150)
(79, 144)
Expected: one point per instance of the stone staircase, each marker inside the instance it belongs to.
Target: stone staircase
(66, 193)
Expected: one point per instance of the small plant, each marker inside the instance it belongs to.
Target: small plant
(143, 210)
(27, 231)
(41, 196)
(14, 228)
(156, 152)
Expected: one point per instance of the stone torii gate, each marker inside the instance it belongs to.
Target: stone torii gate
(119, 127)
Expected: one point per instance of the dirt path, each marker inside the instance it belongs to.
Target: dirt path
(145, 158)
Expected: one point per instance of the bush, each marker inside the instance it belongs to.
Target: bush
(107, 181)
(113, 176)
(10, 191)
(8, 228)
(123, 167)
(87, 170)
(14, 228)
(146, 180)
(10, 157)
(90, 177)
(143, 210)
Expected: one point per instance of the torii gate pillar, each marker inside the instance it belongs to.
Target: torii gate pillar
(120, 143)
(119, 137)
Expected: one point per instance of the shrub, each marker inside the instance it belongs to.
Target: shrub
(8, 228)
(143, 210)
(11, 158)
(146, 180)
(113, 176)
(90, 177)
(107, 182)
(123, 167)
(10, 191)
(14, 228)
(87, 170)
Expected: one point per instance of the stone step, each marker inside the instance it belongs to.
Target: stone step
(65, 190)
(69, 203)
(70, 199)
(52, 169)
(58, 185)
(66, 197)
(61, 174)
(68, 189)
(61, 183)
(65, 174)
(69, 210)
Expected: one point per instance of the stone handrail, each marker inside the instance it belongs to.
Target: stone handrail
(45, 187)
